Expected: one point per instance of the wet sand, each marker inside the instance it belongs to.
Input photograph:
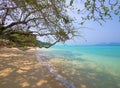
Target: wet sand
(20, 69)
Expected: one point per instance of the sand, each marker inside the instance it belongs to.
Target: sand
(20, 69)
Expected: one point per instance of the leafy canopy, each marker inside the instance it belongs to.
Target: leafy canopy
(97, 10)
(50, 19)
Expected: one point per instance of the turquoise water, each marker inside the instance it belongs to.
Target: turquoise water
(87, 66)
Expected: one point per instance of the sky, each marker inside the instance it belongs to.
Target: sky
(109, 32)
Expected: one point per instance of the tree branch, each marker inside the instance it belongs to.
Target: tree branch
(15, 23)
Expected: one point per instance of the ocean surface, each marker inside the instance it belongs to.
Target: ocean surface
(86, 66)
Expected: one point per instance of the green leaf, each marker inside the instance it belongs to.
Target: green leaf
(119, 7)
(103, 0)
(78, 10)
(81, 23)
(71, 2)
(106, 9)
(92, 11)
(116, 12)
(112, 7)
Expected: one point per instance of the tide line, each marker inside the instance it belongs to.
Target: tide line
(44, 62)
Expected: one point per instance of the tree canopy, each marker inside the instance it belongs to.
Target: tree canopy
(97, 10)
(49, 19)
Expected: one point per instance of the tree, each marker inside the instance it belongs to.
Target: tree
(97, 10)
(49, 19)
(44, 18)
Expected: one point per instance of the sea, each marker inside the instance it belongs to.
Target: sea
(86, 66)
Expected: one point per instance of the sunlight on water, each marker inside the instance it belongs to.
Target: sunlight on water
(87, 66)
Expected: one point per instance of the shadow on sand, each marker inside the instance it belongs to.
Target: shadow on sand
(19, 69)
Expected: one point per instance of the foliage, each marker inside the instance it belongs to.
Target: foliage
(43, 44)
(20, 39)
(98, 10)
(50, 19)
(42, 18)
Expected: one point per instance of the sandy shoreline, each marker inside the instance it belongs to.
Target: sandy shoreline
(20, 69)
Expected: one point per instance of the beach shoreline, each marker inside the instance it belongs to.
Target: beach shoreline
(20, 69)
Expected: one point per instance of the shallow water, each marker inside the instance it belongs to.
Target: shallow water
(87, 66)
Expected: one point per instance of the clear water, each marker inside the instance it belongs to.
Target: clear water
(87, 66)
